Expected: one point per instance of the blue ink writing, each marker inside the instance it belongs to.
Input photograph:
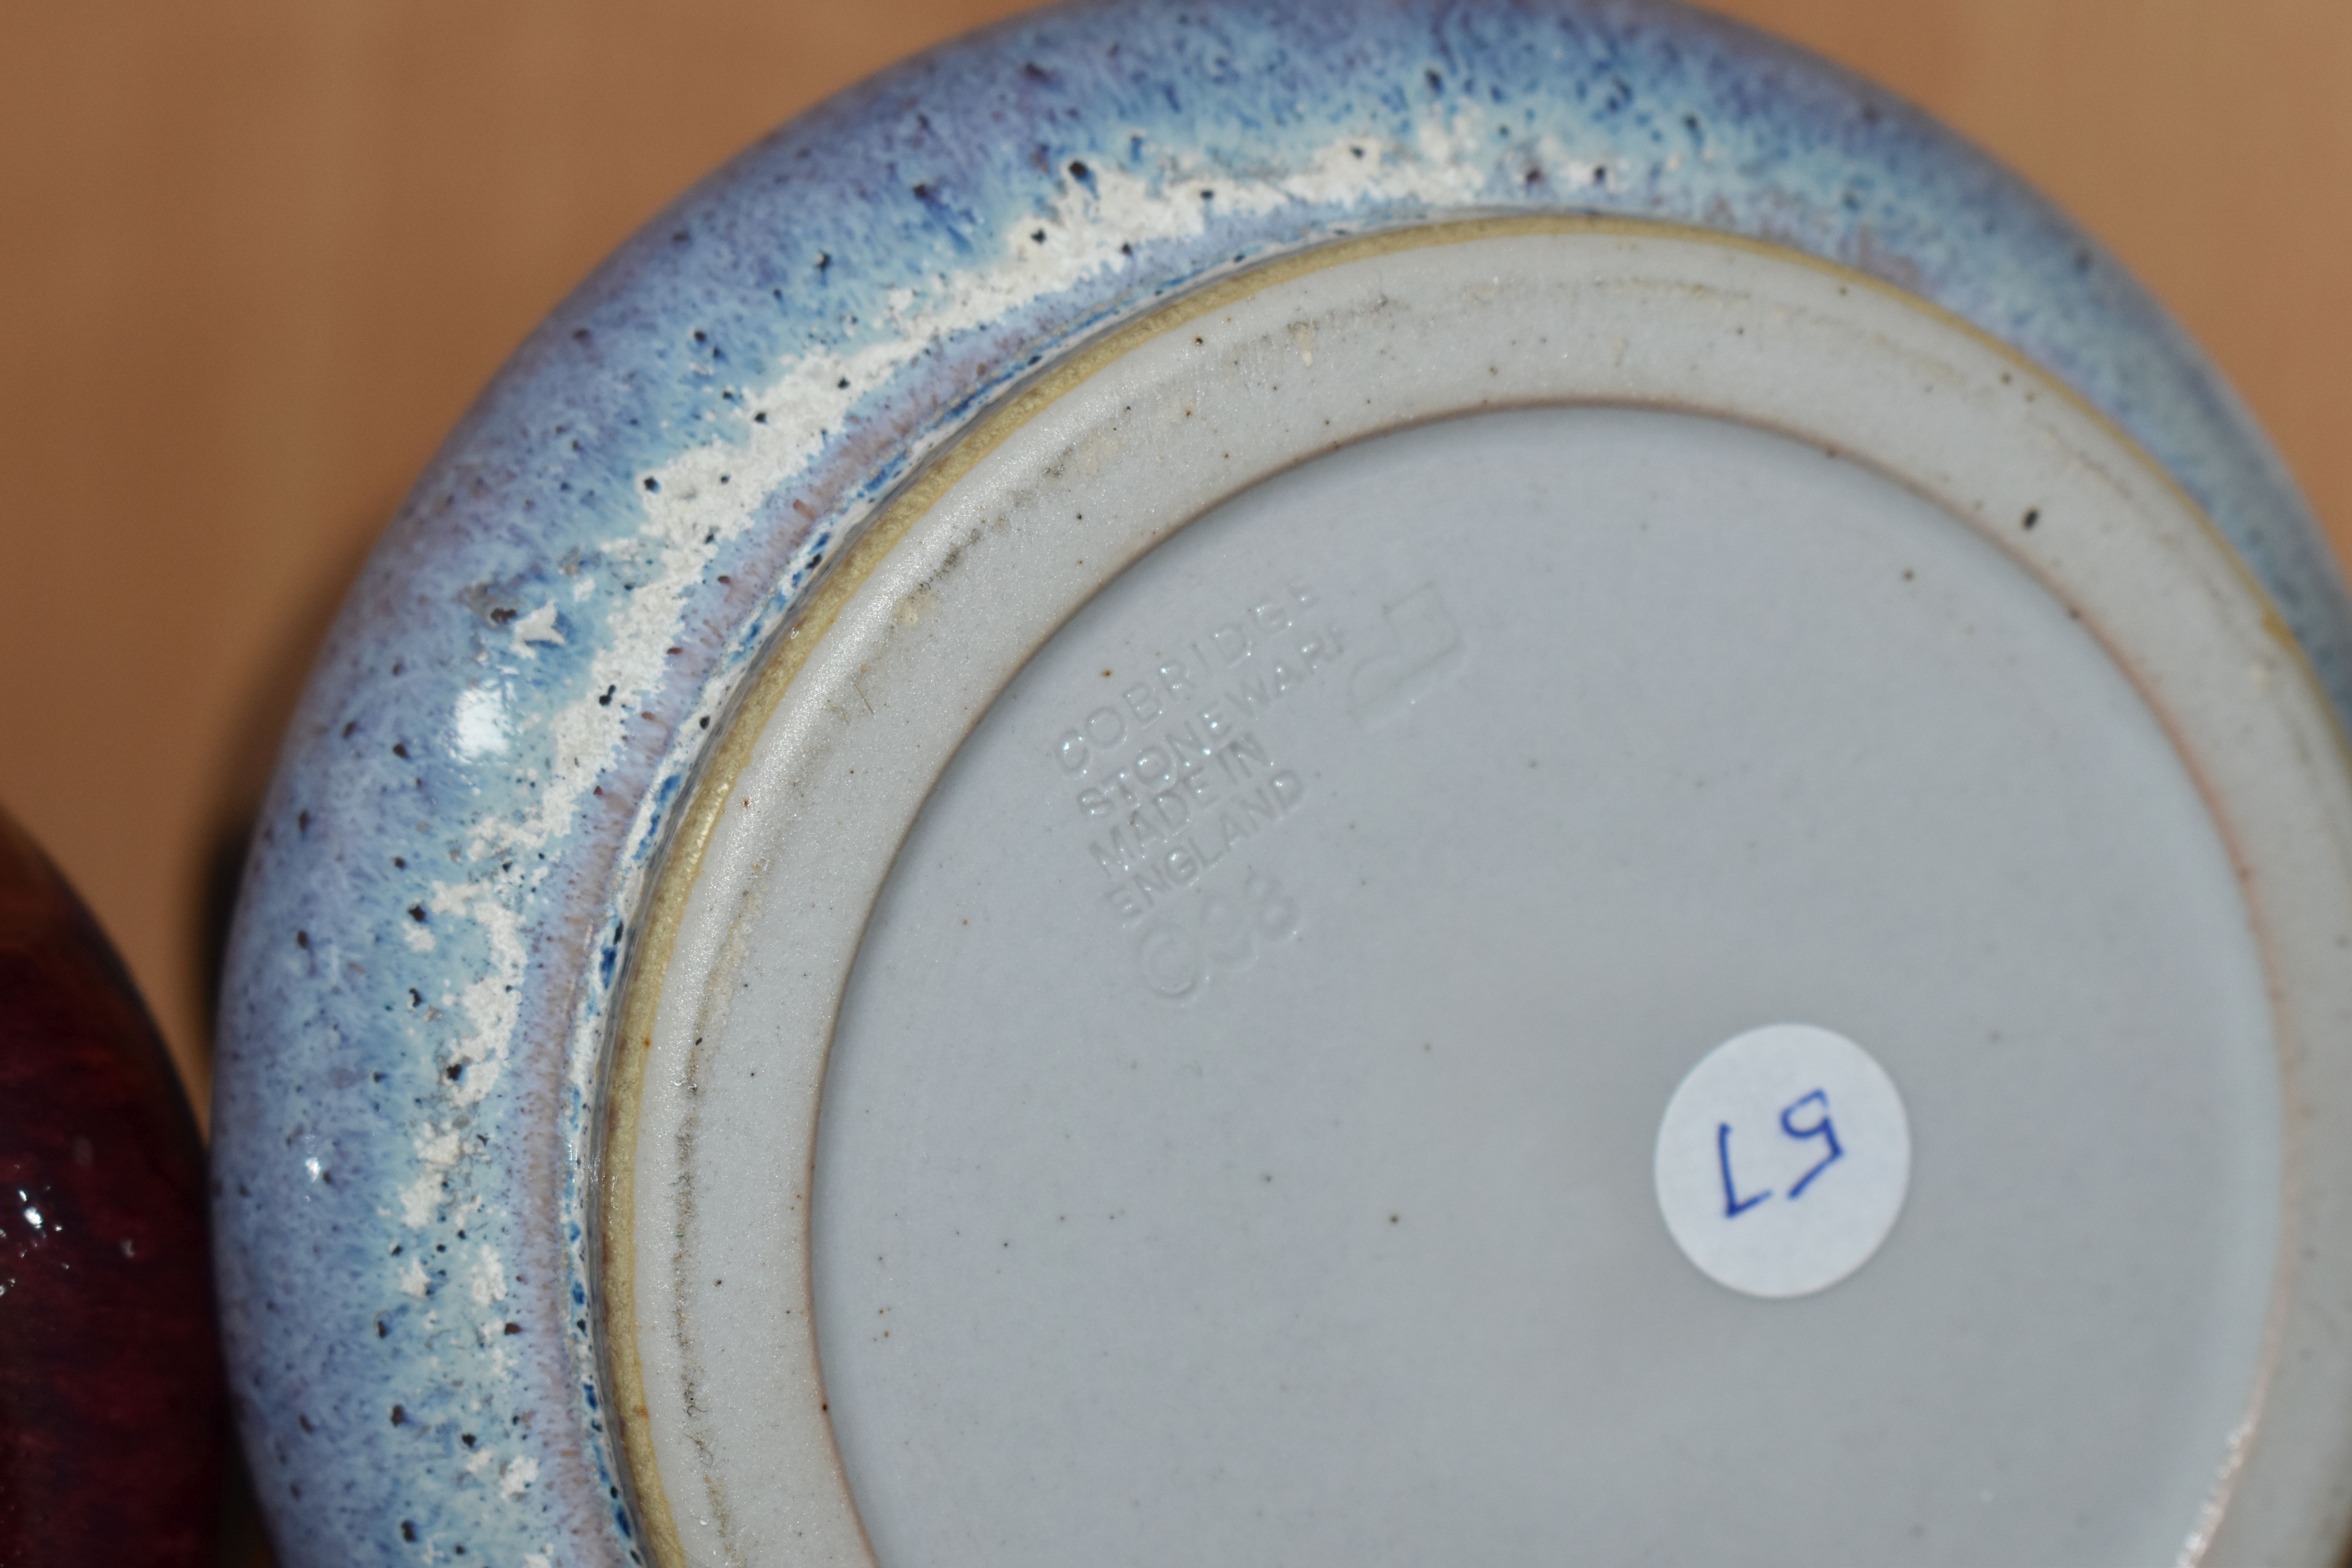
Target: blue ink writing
(1733, 1206)
(1823, 1129)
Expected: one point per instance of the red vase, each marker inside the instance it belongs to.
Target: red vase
(110, 1399)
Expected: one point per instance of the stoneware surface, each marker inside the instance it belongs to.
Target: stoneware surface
(1236, 1131)
(438, 908)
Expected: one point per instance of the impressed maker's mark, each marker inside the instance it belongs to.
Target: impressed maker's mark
(1175, 775)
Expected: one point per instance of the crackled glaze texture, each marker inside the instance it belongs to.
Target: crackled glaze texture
(440, 901)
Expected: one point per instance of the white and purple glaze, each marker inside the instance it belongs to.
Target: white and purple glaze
(524, 678)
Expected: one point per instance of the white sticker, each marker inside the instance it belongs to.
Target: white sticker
(1782, 1161)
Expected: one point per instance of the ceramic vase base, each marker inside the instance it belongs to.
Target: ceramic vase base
(1164, 1042)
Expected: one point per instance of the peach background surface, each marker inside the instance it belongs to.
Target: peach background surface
(256, 255)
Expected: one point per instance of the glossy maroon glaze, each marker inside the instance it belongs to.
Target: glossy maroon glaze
(110, 1399)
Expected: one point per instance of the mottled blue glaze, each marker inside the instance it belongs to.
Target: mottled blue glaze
(520, 683)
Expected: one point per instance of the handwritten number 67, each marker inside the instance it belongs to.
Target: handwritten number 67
(1822, 1127)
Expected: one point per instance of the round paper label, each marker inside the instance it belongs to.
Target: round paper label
(1782, 1161)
